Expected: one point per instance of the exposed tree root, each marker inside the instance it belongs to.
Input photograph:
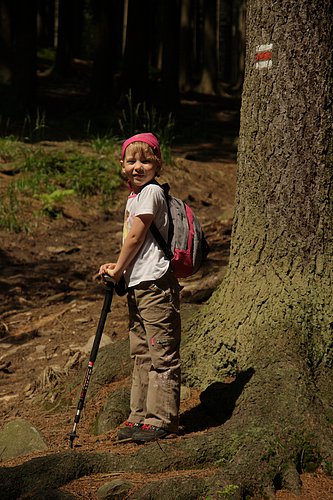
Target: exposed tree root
(255, 460)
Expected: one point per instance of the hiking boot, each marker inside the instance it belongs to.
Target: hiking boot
(149, 433)
(129, 429)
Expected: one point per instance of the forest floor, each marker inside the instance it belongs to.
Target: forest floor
(50, 305)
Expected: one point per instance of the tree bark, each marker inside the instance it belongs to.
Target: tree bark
(282, 235)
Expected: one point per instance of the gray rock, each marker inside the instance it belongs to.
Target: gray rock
(105, 340)
(113, 363)
(114, 490)
(18, 438)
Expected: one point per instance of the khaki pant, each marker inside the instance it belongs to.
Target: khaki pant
(154, 347)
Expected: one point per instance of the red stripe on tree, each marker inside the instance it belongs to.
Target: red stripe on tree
(264, 56)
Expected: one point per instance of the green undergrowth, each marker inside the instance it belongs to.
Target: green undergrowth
(52, 176)
(84, 175)
(42, 180)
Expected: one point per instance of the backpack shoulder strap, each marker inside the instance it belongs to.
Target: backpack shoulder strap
(165, 246)
(166, 189)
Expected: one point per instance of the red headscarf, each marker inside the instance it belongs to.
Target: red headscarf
(148, 138)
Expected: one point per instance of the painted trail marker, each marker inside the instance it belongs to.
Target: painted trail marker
(264, 56)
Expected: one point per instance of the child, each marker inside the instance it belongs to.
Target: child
(153, 297)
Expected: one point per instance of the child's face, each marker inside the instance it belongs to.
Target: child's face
(139, 168)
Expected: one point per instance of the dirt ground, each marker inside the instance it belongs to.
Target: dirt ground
(51, 302)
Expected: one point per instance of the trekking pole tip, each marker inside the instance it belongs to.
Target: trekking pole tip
(71, 439)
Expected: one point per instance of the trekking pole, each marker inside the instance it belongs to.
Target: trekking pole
(110, 284)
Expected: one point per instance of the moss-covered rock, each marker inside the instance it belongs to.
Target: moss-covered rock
(114, 411)
(114, 490)
(113, 363)
(18, 438)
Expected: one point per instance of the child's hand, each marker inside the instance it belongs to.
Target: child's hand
(111, 271)
(106, 267)
(116, 275)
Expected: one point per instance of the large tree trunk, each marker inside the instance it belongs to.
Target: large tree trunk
(5, 43)
(24, 63)
(170, 61)
(273, 313)
(137, 50)
(45, 23)
(186, 43)
(109, 19)
(69, 33)
(231, 43)
(208, 81)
